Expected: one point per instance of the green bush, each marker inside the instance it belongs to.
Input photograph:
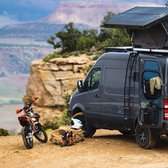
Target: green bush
(87, 69)
(71, 39)
(89, 53)
(95, 57)
(50, 125)
(64, 119)
(51, 56)
(66, 54)
(3, 132)
(76, 53)
(67, 98)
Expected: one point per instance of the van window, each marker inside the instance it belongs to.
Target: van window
(93, 79)
(152, 65)
(114, 80)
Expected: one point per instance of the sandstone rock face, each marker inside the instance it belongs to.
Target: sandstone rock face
(51, 81)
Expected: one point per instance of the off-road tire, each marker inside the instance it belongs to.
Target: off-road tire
(28, 142)
(41, 135)
(88, 130)
(145, 137)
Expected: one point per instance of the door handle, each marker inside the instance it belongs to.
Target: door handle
(97, 96)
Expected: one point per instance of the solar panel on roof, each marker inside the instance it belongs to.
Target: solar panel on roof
(138, 18)
(148, 26)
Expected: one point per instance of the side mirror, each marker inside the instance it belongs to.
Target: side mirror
(80, 85)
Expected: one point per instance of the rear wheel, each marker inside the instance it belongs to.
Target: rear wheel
(27, 137)
(88, 130)
(41, 135)
(145, 137)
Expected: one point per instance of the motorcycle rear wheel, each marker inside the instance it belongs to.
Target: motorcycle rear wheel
(27, 137)
(41, 135)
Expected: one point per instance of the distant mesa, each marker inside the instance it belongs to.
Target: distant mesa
(89, 13)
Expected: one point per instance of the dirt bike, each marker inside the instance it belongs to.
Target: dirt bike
(31, 127)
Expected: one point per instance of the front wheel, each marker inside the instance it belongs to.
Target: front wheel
(145, 137)
(41, 135)
(88, 130)
(27, 137)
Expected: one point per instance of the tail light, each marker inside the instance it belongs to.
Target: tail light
(166, 109)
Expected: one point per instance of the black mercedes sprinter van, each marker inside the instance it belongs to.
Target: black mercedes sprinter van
(125, 91)
(127, 88)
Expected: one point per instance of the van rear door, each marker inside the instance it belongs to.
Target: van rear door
(150, 89)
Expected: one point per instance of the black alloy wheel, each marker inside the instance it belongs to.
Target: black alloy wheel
(145, 137)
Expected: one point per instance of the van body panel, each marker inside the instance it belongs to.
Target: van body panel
(111, 115)
(106, 105)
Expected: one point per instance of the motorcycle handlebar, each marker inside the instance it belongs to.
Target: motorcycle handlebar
(17, 111)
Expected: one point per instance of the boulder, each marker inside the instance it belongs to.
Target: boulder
(52, 80)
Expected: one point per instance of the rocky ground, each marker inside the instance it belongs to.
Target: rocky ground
(106, 149)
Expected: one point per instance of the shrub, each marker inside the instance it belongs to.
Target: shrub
(64, 119)
(76, 53)
(67, 98)
(89, 53)
(51, 56)
(95, 57)
(87, 69)
(66, 54)
(50, 125)
(3, 132)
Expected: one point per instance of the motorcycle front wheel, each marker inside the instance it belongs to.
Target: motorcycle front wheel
(41, 135)
(27, 137)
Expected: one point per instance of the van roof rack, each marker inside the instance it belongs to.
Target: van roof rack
(130, 48)
(119, 49)
(151, 50)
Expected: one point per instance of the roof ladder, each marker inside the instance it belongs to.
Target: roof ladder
(127, 87)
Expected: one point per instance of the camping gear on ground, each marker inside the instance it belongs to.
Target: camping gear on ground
(68, 135)
(67, 138)
(76, 124)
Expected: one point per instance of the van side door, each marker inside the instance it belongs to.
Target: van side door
(112, 96)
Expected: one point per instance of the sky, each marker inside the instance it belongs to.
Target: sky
(15, 11)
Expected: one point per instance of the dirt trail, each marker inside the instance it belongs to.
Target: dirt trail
(107, 149)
